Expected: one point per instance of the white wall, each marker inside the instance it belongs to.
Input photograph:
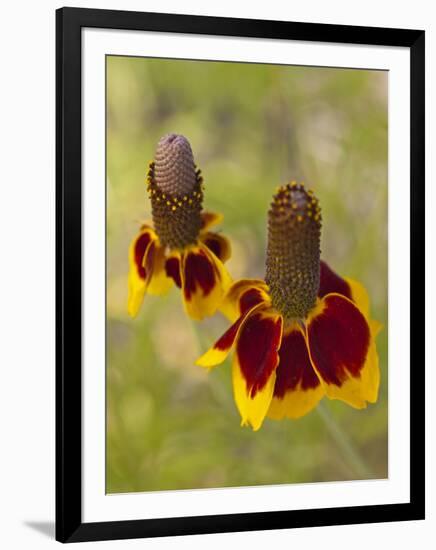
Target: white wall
(27, 268)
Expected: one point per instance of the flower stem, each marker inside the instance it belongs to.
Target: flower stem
(346, 446)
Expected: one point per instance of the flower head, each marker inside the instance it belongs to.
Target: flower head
(304, 332)
(293, 253)
(178, 247)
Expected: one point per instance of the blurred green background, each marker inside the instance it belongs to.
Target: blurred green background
(170, 424)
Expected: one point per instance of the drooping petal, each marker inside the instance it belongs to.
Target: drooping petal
(220, 350)
(331, 282)
(297, 389)
(141, 254)
(254, 365)
(204, 281)
(343, 351)
(172, 268)
(159, 283)
(209, 219)
(242, 295)
(359, 295)
(218, 244)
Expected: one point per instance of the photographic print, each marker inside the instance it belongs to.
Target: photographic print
(247, 282)
(239, 274)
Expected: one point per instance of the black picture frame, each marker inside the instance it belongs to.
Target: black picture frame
(69, 525)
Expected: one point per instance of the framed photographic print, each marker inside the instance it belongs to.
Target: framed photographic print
(240, 274)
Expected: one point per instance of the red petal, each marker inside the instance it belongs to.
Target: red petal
(149, 259)
(199, 271)
(140, 247)
(242, 296)
(214, 245)
(338, 338)
(218, 244)
(227, 339)
(258, 342)
(172, 269)
(329, 282)
(294, 367)
(221, 348)
(250, 298)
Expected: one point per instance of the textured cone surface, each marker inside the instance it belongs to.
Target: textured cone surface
(293, 253)
(175, 190)
(174, 165)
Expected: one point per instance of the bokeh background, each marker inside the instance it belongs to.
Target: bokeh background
(170, 424)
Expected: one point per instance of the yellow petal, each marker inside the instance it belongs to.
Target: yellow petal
(139, 268)
(357, 392)
(159, 283)
(297, 389)
(252, 409)
(242, 295)
(204, 281)
(210, 219)
(359, 295)
(254, 364)
(295, 404)
(343, 351)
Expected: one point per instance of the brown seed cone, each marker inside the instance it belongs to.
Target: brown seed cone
(174, 165)
(293, 251)
(176, 216)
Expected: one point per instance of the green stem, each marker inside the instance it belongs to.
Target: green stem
(344, 443)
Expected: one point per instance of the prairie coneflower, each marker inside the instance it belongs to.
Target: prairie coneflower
(178, 248)
(302, 333)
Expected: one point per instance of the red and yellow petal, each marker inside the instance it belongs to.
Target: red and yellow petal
(343, 351)
(173, 268)
(243, 295)
(209, 219)
(204, 281)
(141, 252)
(254, 365)
(218, 244)
(330, 282)
(220, 350)
(359, 295)
(297, 389)
(159, 282)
